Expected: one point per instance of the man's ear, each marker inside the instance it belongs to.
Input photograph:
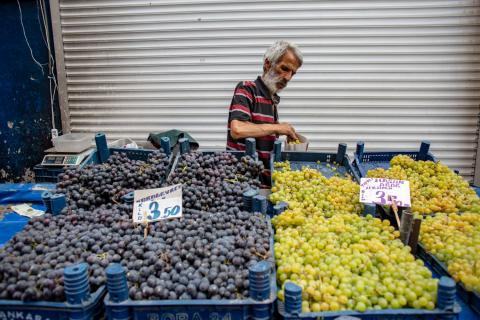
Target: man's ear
(266, 66)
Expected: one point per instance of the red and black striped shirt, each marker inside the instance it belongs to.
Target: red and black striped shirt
(253, 102)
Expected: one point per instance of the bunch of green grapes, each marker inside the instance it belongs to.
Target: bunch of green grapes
(433, 186)
(351, 262)
(455, 240)
(309, 193)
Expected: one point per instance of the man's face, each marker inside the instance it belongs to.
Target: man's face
(277, 76)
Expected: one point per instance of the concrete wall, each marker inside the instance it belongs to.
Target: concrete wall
(25, 112)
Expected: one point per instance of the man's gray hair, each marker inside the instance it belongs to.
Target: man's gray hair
(279, 48)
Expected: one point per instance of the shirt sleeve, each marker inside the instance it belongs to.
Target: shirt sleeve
(241, 106)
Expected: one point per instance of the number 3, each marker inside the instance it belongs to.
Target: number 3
(154, 211)
(381, 195)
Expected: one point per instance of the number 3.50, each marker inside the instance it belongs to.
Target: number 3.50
(156, 212)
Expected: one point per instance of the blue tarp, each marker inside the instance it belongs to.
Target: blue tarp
(16, 193)
(13, 223)
(23, 192)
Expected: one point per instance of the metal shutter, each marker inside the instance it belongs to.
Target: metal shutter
(390, 73)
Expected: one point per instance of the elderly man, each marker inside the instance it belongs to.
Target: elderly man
(253, 111)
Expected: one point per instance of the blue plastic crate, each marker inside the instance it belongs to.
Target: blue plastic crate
(132, 154)
(192, 309)
(477, 190)
(323, 162)
(43, 310)
(47, 174)
(50, 173)
(102, 151)
(386, 314)
(292, 307)
(237, 154)
(364, 161)
(329, 164)
(238, 309)
(176, 159)
(471, 298)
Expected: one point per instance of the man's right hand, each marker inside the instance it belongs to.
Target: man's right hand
(244, 129)
(287, 129)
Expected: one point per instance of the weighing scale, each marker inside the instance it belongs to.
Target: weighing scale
(57, 158)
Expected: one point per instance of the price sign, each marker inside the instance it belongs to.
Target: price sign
(384, 191)
(157, 204)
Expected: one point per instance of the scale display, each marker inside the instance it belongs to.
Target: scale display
(63, 159)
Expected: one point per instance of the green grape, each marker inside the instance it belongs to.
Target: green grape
(433, 186)
(350, 262)
(455, 240)
(309, 193)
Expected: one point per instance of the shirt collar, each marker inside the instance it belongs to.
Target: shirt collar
(265, 92)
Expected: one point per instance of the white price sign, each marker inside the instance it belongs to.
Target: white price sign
(157, 204)
(384, 191)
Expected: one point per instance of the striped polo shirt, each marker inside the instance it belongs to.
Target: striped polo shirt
(253, 102)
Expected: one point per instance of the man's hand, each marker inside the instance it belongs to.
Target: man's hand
(244, 129)
(288, 130)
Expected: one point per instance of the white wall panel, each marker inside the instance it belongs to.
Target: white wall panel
(390, 73)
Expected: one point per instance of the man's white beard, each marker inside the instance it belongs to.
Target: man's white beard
(271, 79)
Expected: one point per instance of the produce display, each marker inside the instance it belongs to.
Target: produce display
(455, 240)
(309, 193)
(98, 184)
(200, 256)
(215, 182)
(341, 260)
(351, 262)
(433, 186)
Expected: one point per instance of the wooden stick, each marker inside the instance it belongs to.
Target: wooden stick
(145, 221)
(415, 234)
(395, 211)
(406, 226)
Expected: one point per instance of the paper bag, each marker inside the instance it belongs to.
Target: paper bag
(302, 146)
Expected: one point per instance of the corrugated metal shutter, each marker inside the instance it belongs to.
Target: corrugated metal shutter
(390, 73)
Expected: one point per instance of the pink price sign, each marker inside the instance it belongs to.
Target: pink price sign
(384, 191)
